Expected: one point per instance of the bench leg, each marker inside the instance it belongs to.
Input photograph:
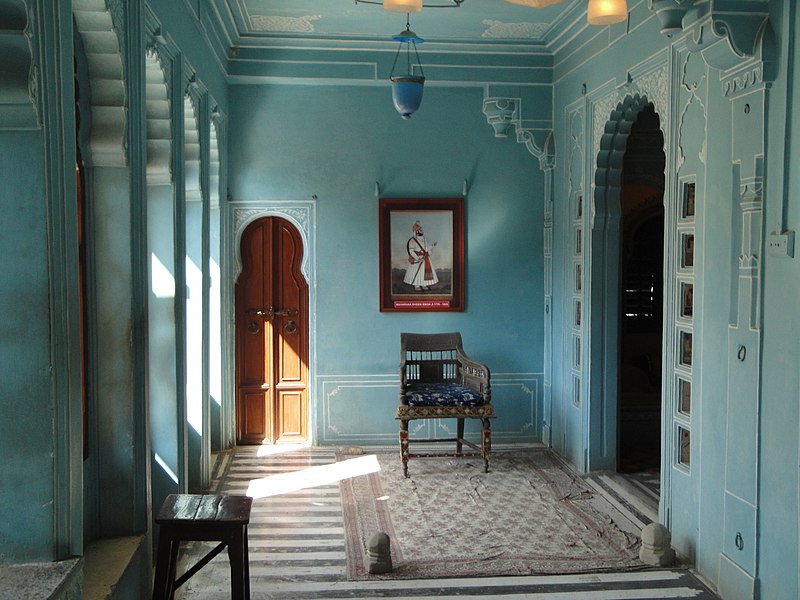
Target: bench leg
(404, 446)
(486, 443)
(240, 565)
(166, 566)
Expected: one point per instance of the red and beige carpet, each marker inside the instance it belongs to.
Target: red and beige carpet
(531, 514)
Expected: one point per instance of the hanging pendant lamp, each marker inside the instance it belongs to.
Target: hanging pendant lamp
(607, 12)
(403, 6)
(406, 87)
(535, 3)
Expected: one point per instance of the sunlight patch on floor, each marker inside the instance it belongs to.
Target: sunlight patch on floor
(273, 449)
(284, 483)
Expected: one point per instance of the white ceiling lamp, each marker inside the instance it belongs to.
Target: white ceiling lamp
(411, 6)
(403, 6)
(535, 3)
(607, 12)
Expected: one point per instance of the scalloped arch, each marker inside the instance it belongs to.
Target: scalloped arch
(214, 166)
(191, 143)
(613, 144)
(159, 132)
(104, 55)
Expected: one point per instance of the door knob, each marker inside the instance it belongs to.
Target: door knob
(291, 327)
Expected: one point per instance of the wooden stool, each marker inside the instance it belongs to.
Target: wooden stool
(201, 518)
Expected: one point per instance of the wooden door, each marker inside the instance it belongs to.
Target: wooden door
(271, 336)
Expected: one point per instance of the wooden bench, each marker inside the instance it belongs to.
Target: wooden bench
(202, 517)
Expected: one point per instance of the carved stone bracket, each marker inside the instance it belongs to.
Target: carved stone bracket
(730, 34)
(504, 114)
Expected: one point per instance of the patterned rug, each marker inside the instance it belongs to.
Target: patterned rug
(530, 515)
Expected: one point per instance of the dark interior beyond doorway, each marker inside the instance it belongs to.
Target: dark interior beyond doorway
(641, 280)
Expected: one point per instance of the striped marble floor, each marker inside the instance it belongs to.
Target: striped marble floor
(297, 550)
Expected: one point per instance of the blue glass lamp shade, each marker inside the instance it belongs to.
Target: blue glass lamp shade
(407, 89)
(407, 93)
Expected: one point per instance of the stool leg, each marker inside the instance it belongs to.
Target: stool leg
(166, 560)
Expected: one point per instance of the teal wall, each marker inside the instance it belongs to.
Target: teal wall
(25, 352)
(332, 144)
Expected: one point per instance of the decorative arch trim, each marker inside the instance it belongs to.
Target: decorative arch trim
(191, 143)
(159, 125)
(100, 24)
(608, 173)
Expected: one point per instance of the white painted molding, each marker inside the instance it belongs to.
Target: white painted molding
(102, 28)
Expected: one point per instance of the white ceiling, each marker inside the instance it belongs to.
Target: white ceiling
(475, 21)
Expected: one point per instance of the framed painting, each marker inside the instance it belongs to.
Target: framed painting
(421, 247)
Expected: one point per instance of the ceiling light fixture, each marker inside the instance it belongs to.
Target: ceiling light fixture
(406, 87)
(607, 12)
(535, 3)
(600, 12)
(409, 6)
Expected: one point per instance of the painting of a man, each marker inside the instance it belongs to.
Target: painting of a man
(420, 272)
(422, 254)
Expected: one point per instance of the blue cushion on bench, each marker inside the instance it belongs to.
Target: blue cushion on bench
(442, 394)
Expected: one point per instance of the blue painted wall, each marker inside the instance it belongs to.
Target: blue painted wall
(26, 477)
(334, 143)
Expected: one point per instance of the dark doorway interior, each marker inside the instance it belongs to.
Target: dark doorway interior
(641, 297)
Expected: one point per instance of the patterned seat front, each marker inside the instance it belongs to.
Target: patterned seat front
(442, 394)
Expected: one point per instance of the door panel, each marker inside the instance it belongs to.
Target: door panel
(271, 335)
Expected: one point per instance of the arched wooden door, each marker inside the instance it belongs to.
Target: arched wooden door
(271, 336)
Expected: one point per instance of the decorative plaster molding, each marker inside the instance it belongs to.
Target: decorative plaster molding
(522, 31)
(159, 123)
(301, 216)
(693, 76)
(670, 13)
(743, 81)
(276, 24)
(727, 33)
(500, 113)
(116, 8)
(102, 28)
(503, 113)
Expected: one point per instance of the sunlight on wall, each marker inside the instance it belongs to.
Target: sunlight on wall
(194, 346)
(162, 281)
(312, 477)
(170, 473)
(215, 336)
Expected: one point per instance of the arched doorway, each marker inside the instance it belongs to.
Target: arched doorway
(627, 220)
(641, 298)
(272, 333)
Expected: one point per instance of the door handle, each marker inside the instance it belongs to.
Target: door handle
(265, 312)
(291, 327)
